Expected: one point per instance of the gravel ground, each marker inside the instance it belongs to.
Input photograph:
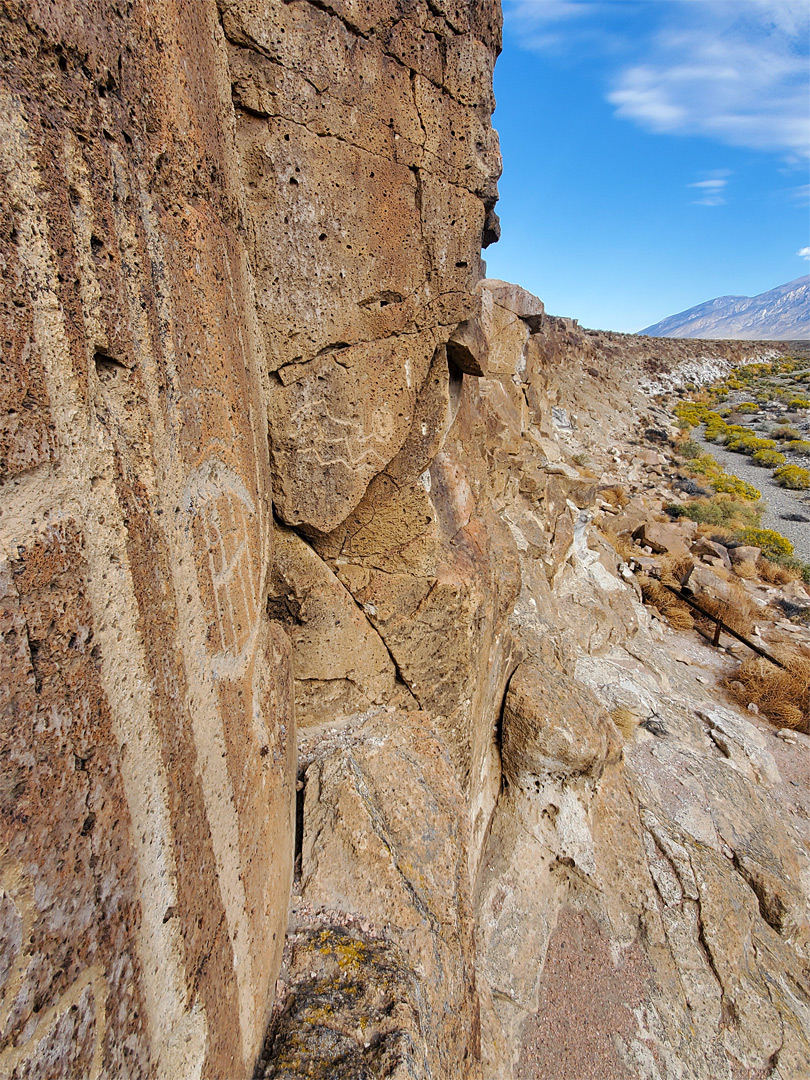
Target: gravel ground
(779, 501)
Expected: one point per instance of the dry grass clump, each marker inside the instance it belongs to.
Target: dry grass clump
(737, 612)
(675, 611)
(625, 720)
(720, 534)
(674, 568)
(615, 495)
(623, 545)
(747, 571)
(774, 574)
(782, 695)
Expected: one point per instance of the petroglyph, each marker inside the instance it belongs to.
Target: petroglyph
(224, 525)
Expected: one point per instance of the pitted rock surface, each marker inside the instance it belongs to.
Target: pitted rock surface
(311, 638)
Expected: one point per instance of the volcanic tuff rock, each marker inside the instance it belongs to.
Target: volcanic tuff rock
(309, 643)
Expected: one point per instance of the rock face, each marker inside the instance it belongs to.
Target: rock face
(148, 739)
(309, 645)
(206, 222)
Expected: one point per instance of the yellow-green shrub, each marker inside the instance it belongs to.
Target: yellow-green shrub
(689, 414)
(792, 476)
(748, 444)
(768, 458)
(715, 429)
(733, 485)
(720, 510)
(771, 543)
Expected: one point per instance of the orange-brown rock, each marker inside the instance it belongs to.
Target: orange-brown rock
(148, 736)
(241, 248)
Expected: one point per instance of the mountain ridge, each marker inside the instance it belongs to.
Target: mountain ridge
(781, 314)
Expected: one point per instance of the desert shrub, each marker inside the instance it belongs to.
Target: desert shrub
(797, 446)
(748, 407)
(748, 443)
(771, 543)
(792, 476)
(799, 403)
(733, 485)
(785, 431)
(715, 430)
(706, 465)
(720, 510)
(674, 568)
(739, 443)
(689, 414)
(623, 545)
(676, 510)
(747, 571)
(768, 458)
(781, 694)
(802, 568)
(688, 449)
(721, 534)
(625, 720)
(732, 430)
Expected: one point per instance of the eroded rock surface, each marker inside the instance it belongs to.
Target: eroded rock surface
(307, 628)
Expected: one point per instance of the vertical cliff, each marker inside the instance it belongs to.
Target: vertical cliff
(310, 647)
(211, 215)
(148, 740)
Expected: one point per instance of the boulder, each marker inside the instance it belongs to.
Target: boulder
(629, 520)
(744, 553)
(551, 724)
(648, 457)
(702, 579)
(662, 538)
(517, 300)
(705, 547)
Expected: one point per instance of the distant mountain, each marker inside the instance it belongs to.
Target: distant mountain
(783, 314)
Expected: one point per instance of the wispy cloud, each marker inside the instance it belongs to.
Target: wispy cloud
(544, 25)
(732, 70)
(712, 188)
(804, 253)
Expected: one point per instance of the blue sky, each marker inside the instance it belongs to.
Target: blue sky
(656, 153)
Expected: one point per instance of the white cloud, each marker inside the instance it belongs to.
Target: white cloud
(804, 253)
(542, 24)
(724, 84)
(735, 71)
(712, 188)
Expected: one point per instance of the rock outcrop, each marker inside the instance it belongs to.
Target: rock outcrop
(310, 645)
